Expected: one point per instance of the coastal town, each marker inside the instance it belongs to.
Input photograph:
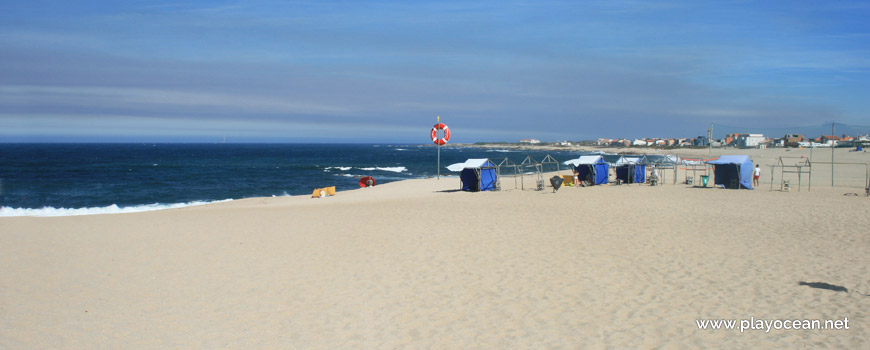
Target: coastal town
(735, 140)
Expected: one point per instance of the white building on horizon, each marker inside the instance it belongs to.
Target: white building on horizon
(749, 140)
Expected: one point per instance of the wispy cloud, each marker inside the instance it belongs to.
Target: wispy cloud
(496, 69)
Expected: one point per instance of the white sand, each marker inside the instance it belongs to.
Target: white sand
(413, 265)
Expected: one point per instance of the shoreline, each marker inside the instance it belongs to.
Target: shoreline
(849, 177)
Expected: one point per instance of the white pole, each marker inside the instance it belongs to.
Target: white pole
(439, 163)
(710, 141)
(438, 121)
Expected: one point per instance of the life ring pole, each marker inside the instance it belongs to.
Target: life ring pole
(439, 141)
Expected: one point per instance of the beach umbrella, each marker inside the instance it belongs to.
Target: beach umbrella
(556, 181)
(364, 181)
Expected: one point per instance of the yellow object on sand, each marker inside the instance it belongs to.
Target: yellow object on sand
(323, 192)
(567, 180)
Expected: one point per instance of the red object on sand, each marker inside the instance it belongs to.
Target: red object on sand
(365, 179)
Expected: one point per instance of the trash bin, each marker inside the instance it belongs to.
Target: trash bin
(704, 179)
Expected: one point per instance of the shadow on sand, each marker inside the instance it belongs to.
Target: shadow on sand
(823, 285)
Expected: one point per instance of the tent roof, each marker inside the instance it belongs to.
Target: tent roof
(660, 159)
(613, 158)
(471, 163)
(632, 160)
(584, 160)
(731, 159)
(686, 161)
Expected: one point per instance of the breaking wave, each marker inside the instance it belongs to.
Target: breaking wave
(112, 209)
(396, 169)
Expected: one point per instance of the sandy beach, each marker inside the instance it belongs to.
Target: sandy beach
(418, 265)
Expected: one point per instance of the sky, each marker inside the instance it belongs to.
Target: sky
(381, 71)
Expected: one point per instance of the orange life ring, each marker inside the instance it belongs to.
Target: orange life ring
(434, 134)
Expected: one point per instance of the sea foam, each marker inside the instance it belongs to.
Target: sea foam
(112, 209)
(395, 169)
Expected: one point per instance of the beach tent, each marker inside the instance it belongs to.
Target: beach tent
(631, 170)
(476, 174)
(732, 171)
(594, 166)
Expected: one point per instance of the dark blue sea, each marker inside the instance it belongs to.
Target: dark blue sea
(75, 179)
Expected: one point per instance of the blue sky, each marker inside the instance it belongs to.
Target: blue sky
(380, 71)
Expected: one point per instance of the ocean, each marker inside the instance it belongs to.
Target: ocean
(81, 179)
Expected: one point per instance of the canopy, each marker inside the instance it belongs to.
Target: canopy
(613, 159)
(688, 161)
(470, 163)
(588, 160)
(732, 171)
(633, 160)
(660, 159)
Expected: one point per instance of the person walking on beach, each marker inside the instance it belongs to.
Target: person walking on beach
(755, 175)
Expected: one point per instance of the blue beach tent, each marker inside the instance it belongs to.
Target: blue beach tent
(476, 175)
(631, 170)
(591, 166)
(733, 172)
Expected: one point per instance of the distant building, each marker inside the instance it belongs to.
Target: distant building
(828, 139)
(701, 141)
(749, 140)
(793, 138)
(604, 142)
(563, 143)
(639, 142)
(790, 140)
(731, 139)
(530, 141)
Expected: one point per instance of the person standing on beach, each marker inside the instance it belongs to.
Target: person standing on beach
(755, 175)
